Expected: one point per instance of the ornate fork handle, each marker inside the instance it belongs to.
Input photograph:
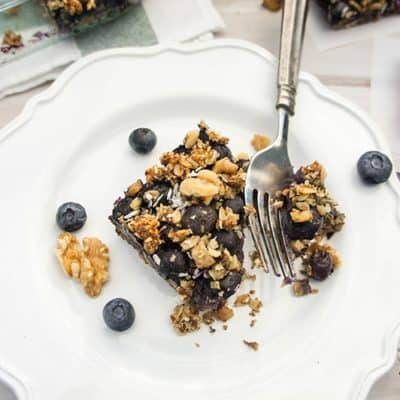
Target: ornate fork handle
(292, 35)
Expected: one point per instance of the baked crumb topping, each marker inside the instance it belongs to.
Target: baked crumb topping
(253, 345)
(12, 39)
(260, 142)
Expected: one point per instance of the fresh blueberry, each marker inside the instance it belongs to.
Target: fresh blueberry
(321, 265)
(122, 207)
(236, 205)
(204, 297)
(142, 140)
(71, 216)
(230, 240)
(231, 282)
(173, 261)
(374, 167)
(119, 314)
(203, 135)
(200, 219)
(223, 151)
(301, 230)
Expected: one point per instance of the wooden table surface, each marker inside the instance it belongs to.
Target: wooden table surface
(346, 70)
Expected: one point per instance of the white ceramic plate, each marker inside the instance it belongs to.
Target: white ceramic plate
(70, 143)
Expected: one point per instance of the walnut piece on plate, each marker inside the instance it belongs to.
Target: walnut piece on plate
(87, 264)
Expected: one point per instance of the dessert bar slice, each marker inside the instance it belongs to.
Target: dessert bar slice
(186, 220)
(347, 13)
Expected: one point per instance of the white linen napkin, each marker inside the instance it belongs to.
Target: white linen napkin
(324, 37)
(161, 22)
(385, 91)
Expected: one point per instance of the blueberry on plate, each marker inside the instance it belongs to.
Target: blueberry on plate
(321, 265)
(119, 314)
(200, 219)
(374, 167)
(142, 140)
(71, 216)
(301, 230)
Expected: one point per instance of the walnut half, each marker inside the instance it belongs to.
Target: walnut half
(87, 264)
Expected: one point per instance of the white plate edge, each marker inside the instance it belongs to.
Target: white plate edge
(392, 337)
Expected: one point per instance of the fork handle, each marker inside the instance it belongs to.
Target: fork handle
(292, 34)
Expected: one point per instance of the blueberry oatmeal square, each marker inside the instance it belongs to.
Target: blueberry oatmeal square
(310, 216)
(186, 221)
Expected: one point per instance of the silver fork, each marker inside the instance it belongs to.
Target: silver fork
(270, 169)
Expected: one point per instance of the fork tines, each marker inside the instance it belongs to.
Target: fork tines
(267, 233)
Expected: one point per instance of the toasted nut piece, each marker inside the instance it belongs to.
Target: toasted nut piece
(260, 142)
(198, 188)
(225, 313)
(300, 216)
(191, 139)
(134, 188)
(209, 176)
(225, 166)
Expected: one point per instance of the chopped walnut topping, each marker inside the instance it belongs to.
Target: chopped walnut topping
(225, 166)
(156, 173)
(225, 313)
(256, 259)
(217, 138)
(205, 252)
(203, 155)
(190, 242)
(178, 165)
(134, 188)
(168, 214)
(217, 272)
(260, 142)
(179, 235)
(242, 156)
(227, 219)
(12, 39)
(209, 317)
(272, 5)
(185, 319)
(145, 227)
(185, 289)
(89, 264)
(73, 7)
(301, 287)
(196, 187)
(231, 262)
(297, 246)
(255, 304)
(94, 274)
(300, 216)
(249, 210)
(252, 345)
(90, 5)
(250, 277)
(191, 139)
(136, 203)
(242, 300)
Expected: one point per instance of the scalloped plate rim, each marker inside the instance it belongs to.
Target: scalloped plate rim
(384, 363)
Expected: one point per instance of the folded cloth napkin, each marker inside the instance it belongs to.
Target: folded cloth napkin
(153, 21)
(385, 91)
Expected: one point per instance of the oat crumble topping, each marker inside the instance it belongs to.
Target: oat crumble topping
(253, 345)
(260, 142)
(12, 39)
(187, 221)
